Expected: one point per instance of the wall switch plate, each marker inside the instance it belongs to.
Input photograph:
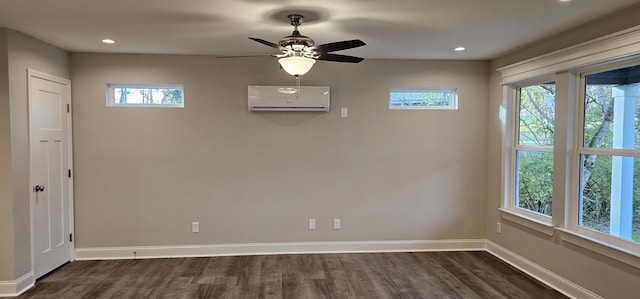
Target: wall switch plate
(344, 112)
(312, 223)
(195, 227)
(499, 228)
(336, 223)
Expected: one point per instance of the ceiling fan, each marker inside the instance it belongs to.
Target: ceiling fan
(300, 52)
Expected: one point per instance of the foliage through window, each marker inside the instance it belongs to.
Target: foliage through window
(426, 98)
(610, 153)
(534, 148)
(144, 95)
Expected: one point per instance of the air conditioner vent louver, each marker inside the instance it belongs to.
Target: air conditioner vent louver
(288, 98)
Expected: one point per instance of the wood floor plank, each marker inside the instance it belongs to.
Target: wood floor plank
(292, 286)
(336, 276)
(511, 278)
(462, 269)
(357, 275)
(446, 279)
(270, 277)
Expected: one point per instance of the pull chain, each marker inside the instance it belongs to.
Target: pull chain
(297, 86)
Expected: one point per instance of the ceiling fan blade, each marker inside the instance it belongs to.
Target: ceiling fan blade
(337, 46)
(339, 58)
(268, 43)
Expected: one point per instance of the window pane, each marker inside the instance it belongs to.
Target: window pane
(537, 114)
(611, 112)
(145, 95)
(610, 201)
(423, 98)
(154, 96)
(534, 181)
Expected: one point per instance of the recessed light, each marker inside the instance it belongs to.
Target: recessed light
(108, 41)
(459, 49)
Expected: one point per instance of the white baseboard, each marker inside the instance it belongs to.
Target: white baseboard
(104, 253)
(543, 275)
(17, 287)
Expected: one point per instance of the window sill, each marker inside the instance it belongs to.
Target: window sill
(527, 221)
(145, 106)
(615, 252)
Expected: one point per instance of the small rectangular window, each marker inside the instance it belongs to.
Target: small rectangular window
(145, 95)
(423, 98)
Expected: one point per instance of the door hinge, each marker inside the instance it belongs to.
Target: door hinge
(70, 237)
(68, 108)
(69, 172)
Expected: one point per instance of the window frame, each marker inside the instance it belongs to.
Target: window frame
(611, 50)
(573, 214)
(452, 106)
(510, 209)
(110, 94)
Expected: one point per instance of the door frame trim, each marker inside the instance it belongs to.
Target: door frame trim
(32, 74)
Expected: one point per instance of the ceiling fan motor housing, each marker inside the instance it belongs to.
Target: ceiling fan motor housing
(296, 41)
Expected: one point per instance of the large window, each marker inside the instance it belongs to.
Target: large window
(145, 95)
(609, 154)
(571, 149)
(533, 149)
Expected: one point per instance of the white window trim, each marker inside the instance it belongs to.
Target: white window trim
(595, 244)
(617, 48)
(111, 102)
(528, 220)
(510, 211)
(452, 106)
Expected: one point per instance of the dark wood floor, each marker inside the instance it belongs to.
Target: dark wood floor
(371, 275)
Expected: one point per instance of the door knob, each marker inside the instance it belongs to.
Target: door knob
(38, 188)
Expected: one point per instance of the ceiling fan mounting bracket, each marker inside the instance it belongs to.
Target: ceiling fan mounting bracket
(296, 19)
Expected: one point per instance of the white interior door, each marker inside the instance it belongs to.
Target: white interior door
(50, 172)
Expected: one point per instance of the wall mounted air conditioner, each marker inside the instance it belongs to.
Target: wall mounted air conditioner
(288, 98)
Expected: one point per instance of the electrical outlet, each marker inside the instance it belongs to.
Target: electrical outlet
(499, 228)
(312, 223)
(336, 223)
(195, 227)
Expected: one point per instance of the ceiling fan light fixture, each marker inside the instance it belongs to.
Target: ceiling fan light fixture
(287, 90)
(296, 65)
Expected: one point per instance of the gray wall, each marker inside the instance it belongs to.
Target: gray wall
(605, 276)
(6, 200)
(22, 53)
(143, 175)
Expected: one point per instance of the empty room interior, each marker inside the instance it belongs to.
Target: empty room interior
(160, 130)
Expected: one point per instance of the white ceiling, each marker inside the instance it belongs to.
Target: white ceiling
(400, 29)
